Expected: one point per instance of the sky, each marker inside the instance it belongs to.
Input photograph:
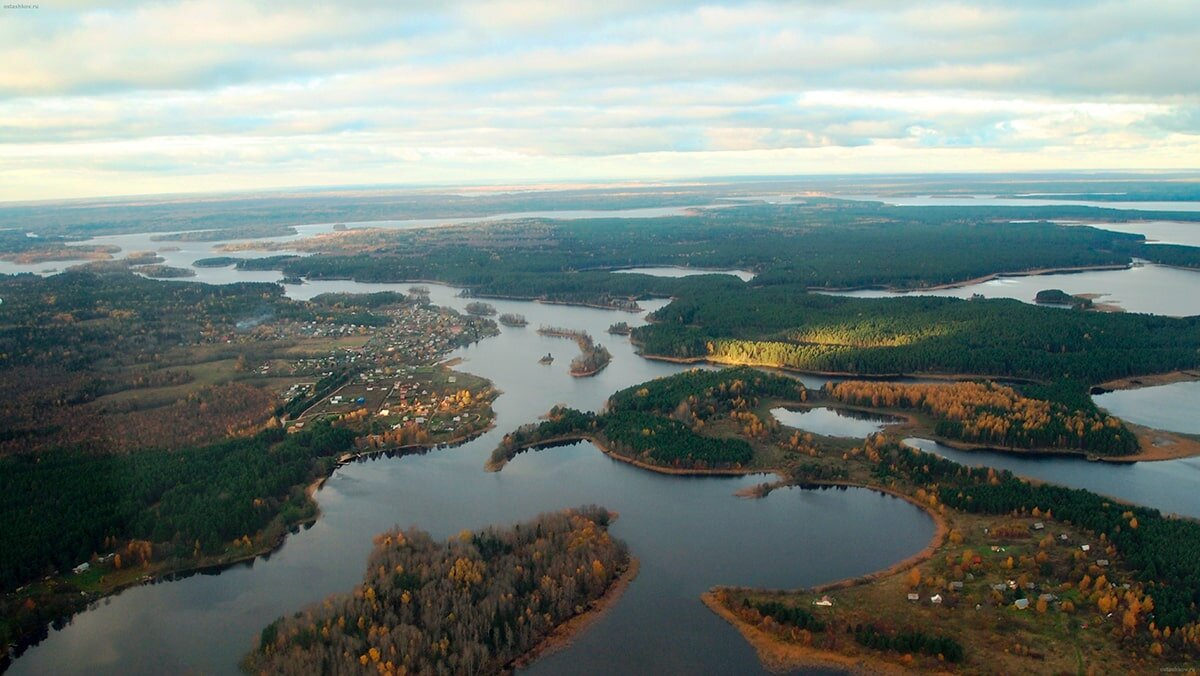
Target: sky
(126, 98)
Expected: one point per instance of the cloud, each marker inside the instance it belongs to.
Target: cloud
(195, 94)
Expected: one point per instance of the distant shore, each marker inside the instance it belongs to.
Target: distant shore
(975, 280)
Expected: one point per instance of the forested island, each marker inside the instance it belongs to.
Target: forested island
(476, 604)
(1059, 567)
(657, 424)
(593, 357)
(1060, 297)
(820, 243)
(785, 327)
(512, 319)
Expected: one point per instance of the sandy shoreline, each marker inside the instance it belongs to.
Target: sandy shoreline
(565, 633)
(781, 657)
(1138, 382)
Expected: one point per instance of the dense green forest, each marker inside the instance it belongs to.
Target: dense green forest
(709, 392)
(816, 243)
(1171, 254)
(659, 422)
(58, 509)
(653, 439)
(471, 605)
(784, 326)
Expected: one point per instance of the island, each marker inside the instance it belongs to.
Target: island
(1060, 297)
(484, 602)
(511, 319)
(1019, 576)
(593, 357)
(215, 262)
(620, 329)
(480, 309)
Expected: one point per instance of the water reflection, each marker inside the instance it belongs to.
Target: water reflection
(689, 533)
(831, 422)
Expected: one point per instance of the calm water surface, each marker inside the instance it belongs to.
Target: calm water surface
(1172, 486)
(676, 272)
(995, 201)
(689, 533)
(832, 422)
(1171, 407)
(1153, 289)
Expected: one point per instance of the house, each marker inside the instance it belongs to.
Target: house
(1039, 525)
(1021, 604)
(81, 568)
(914, 597)
(824, 602)
(956, 586)
(1086, 548)
(1103, 563)
(936, 599)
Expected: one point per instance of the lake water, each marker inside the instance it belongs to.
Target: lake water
(995, 201)
(1155, 232)
(1172, 486)
(676, 272)
(831, 422)
(1153, 289)
(690, 533)
(1166, 407)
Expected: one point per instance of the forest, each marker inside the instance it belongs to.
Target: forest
(661, 422)
(786, 327)
(469, 605)
(818, 243)
(989, 413)
(61, 508)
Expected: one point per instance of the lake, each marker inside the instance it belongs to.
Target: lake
(1170, 407)
(1171, 486)
(1153, 289)
(676, 272)
(690, 533)
(832, 422)
(997, 201)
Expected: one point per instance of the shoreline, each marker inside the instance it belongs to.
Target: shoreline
(941, 532)
(493, 466)
(778, 657)
(563, 635)
(949, 377)
(1138, 382)
(976, 280)
(168, 573)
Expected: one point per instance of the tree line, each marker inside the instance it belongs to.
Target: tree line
(786, 327)
(470, 605)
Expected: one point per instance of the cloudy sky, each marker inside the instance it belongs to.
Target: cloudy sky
(200, 95)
